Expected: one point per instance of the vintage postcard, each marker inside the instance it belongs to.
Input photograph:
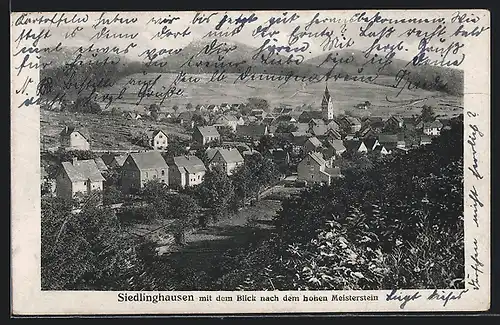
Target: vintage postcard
(250, 162)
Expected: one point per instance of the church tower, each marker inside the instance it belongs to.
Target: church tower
(327, 105)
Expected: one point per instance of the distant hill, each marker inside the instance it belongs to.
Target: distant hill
(208, 56)
(202, 57)
(354, 62)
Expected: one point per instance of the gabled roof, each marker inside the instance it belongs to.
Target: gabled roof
(120, 160)
(70, 129)
(231, 155)
(352, 145)
(334, 133)
(210, 152)
(148, 160)
(397, 118)
(317, 157)
(82, 170)
(319, 130)
(338, 145)
(387, 138)
(283, 118)
(314, 141)
(227, 118)
(333, 125)
(300, 134)
(369, 143)
(333, 171)
(208, 131)
(251, 130)
(154, 133)
(306, 116)
(351, 120)
(191, 164)
(379, 148)
(302, 127)
(317, 121)
(100, 164)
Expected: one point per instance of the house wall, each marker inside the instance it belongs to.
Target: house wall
(160, 174)
(195, 178)
(130, 179)
(64, 187)
(176, 178)
(78, 142)
(160, 142)
(431, 131)
(310, 171)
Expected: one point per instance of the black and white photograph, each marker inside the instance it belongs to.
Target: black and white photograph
(314, 152)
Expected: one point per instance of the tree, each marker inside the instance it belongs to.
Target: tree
(85, 251)
(286, 128)
(258, 103)
(266, 142)
(185, 209)
(199, 120)
(111, 195)
(176, 147)
(216, 194)
(227, 133)
(427, 114)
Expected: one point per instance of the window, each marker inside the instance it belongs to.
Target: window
(312, 176)
(199, 177)
(162, 173)
(161, 136)
(147, 175)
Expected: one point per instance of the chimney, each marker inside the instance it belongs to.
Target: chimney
(74, 160)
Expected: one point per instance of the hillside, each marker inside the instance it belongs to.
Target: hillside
(354, 62)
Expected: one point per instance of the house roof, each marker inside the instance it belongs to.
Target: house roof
(333, 125)
(210, 152)
(154, 133)
(82, 170)
(352, 145)
(397, 118)
(302, 127)
(120, 160)
(425, 138)
(251, 130)
(191, 164)
(317, 121)
(387, 138)
(338, 145)
(334, 133)
(306, 116)
(100, 164)
(352, 120)
(379, 148)
(283, 118)
(433, 124)
(227, 118)
(300, 134)
(369, 143)
(333, 171)
(317, 157)
(208, 131)
(314, 141)
(319, 130)
(70, 129)
(148, 160)
(231, 155)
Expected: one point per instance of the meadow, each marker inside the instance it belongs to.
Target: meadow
(107, 132)
(382, 95)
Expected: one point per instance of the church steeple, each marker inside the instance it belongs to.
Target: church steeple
(327, 105)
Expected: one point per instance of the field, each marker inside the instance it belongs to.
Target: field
(346, 94)
(107, 132)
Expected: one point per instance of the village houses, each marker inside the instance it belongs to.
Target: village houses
(139, 168)
(186, 171)
(253, 132)
(315, 169)
(228, 159)
(205, 134)
(350, 124)
(72, 138)
(229, 120)
(431, 128)
(78, 176)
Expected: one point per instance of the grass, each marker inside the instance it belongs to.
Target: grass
(107, 132)
(346, 94)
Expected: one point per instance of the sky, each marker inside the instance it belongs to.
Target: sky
(333, 23)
